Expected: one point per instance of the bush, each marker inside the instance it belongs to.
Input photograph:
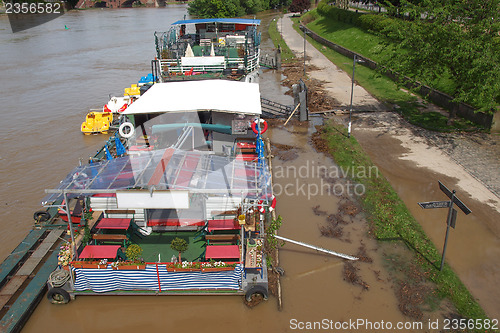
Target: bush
(373, 22)
(133, 252)
(298, 6)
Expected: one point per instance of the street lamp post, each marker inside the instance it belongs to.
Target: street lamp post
(304, 51)
(352, 92)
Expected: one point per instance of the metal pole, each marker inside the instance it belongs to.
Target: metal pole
(352, 91)
(304, 51)
(448, 223)
(70, 223)
(342, 255)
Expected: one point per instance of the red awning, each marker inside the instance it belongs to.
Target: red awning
(99, 252)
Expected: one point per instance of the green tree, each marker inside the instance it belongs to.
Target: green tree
(180, 245)
(216, 8)
(454, 39)
(298, 6)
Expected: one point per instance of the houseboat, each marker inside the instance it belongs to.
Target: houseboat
(182, 209)
(224, 48)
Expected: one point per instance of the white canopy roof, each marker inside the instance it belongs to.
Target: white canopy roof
(185, 96)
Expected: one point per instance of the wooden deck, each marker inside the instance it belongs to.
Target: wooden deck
(21, 289)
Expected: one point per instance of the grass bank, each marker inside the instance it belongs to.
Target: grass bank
(286, 54)
(379, 86)
(391, 220)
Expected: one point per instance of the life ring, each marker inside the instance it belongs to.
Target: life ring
(124, 106)
(58, 296)
(256, 290)
(262, 127)
(260, 207)
(271, 208)
(41, 216)
(122, 130)
(273, 203)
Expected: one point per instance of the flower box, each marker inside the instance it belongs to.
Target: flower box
(130, 267)
(177, 269)
(217, 269)
(89, 265)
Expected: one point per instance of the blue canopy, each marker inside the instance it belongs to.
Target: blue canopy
(219, 20)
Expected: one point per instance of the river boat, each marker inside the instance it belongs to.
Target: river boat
(182, 209)
(223, 48)
(97, 122)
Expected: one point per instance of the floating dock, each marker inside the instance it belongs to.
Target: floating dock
(24, 274)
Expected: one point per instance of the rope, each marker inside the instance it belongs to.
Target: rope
(58, 278)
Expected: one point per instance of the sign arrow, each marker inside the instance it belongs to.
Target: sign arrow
(435, 204)
(456, 201)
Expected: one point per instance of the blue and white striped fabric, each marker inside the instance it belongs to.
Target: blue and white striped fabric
(105, 280)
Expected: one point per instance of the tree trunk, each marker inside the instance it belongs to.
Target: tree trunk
(180, 260)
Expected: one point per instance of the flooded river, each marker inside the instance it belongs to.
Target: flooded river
(51, 76)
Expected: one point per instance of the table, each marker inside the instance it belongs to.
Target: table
(99, 252)
(223, 224)
(222, 252)
(113, 223)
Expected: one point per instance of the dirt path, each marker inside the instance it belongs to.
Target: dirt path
(413, 159)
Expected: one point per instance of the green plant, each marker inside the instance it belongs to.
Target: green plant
(286, 54)
(180, 245)
(271, 241)
(133, 252)
(86, 234)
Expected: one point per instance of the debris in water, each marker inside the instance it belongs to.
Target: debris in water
(256, 299)
(362, 255)
(318, 212)
(351, 275)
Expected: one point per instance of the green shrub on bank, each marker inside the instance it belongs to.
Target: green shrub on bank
(392, 221)
(371, 22)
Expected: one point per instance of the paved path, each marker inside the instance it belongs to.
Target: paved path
(479, 154)
(336, 81)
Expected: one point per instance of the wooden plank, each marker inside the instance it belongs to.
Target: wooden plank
(10, 289)
(33, 261)
(109, 237)
(19, 312)
(13, 285)
(222, 237)
(19, 252)
(4, 300)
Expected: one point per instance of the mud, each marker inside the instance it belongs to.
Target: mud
(317, 98)
(341, 220)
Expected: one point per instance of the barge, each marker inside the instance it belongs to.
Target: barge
(188, 159)
(194, 173)
(220, 48)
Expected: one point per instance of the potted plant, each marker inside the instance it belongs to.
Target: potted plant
(133, 253)
(180, 245)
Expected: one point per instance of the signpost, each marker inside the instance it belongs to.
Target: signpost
(452, 213)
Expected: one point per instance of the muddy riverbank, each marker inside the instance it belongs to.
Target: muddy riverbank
(414, 162)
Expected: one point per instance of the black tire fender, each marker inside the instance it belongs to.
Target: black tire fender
(41, 216)
(58, 296)
(256, 290)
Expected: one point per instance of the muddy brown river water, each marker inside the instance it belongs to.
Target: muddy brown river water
(52, 76)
